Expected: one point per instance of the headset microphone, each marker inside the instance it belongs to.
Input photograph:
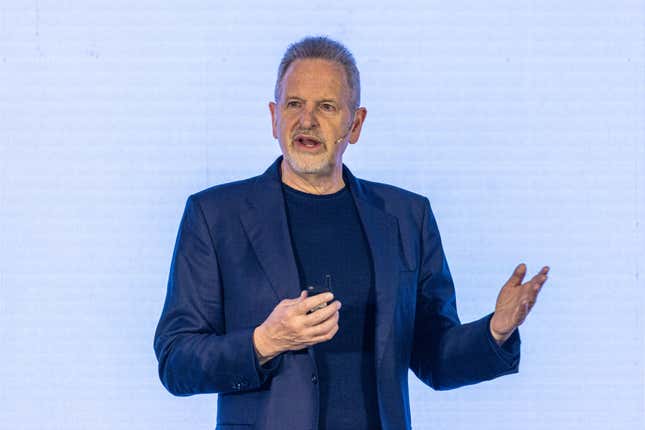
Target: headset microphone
(349, 129)
(344, 136)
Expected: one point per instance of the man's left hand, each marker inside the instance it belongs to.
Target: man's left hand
(514, 302)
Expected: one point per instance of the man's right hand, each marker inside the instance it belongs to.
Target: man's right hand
(289, 327)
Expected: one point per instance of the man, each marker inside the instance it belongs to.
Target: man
(238, 319)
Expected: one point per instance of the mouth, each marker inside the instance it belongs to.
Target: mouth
(306, 142)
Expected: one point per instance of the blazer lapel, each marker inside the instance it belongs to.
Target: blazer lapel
(265, 223)
(381, 229)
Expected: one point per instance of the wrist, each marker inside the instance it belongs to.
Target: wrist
(499, 338)
(262, 345)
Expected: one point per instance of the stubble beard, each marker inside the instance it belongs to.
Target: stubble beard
(307, 164)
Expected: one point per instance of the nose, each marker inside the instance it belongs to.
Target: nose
(307, 118)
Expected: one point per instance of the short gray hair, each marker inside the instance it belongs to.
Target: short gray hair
(327, 49)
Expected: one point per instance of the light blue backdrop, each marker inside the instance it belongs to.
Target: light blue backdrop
(523, 121)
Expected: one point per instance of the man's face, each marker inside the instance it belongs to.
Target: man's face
(313, 120)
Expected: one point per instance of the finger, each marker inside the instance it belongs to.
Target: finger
(311, 302)
(540, 278)
(536, 282)
(537, 286)
(322, 328)
(518, 275)
(531, 289)
(325, 337)
(322, 314)
(537, 279)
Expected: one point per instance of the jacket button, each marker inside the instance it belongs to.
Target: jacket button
(314, 378)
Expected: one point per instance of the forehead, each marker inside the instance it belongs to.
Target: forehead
(315, 78)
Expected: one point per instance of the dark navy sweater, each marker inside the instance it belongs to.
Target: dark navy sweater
(328, 239)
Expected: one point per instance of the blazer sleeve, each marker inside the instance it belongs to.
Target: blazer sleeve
(196, 353)
(445, 353)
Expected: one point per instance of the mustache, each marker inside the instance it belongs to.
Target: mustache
(310, 133)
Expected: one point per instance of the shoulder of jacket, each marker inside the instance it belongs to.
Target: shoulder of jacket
(389, 191)
(225, 192)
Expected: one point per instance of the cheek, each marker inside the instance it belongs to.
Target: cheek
(284, 125)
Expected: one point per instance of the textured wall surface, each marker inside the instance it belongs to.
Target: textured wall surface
(524, 122)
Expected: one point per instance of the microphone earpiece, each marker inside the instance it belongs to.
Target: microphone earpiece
(349, 129)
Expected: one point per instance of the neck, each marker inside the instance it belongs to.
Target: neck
(312, 183)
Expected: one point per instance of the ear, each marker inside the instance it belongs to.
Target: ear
(274, 123)
(357, 125)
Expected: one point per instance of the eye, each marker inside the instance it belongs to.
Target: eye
(328, 107)
(293, 104)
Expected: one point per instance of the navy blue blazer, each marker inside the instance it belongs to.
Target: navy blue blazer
(233, 262)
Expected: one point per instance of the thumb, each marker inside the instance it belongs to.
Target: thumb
(301, 297)
(518, 275)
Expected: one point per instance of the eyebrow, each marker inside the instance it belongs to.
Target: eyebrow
(319, 101)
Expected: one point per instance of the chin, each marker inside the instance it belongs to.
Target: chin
(307, 165)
